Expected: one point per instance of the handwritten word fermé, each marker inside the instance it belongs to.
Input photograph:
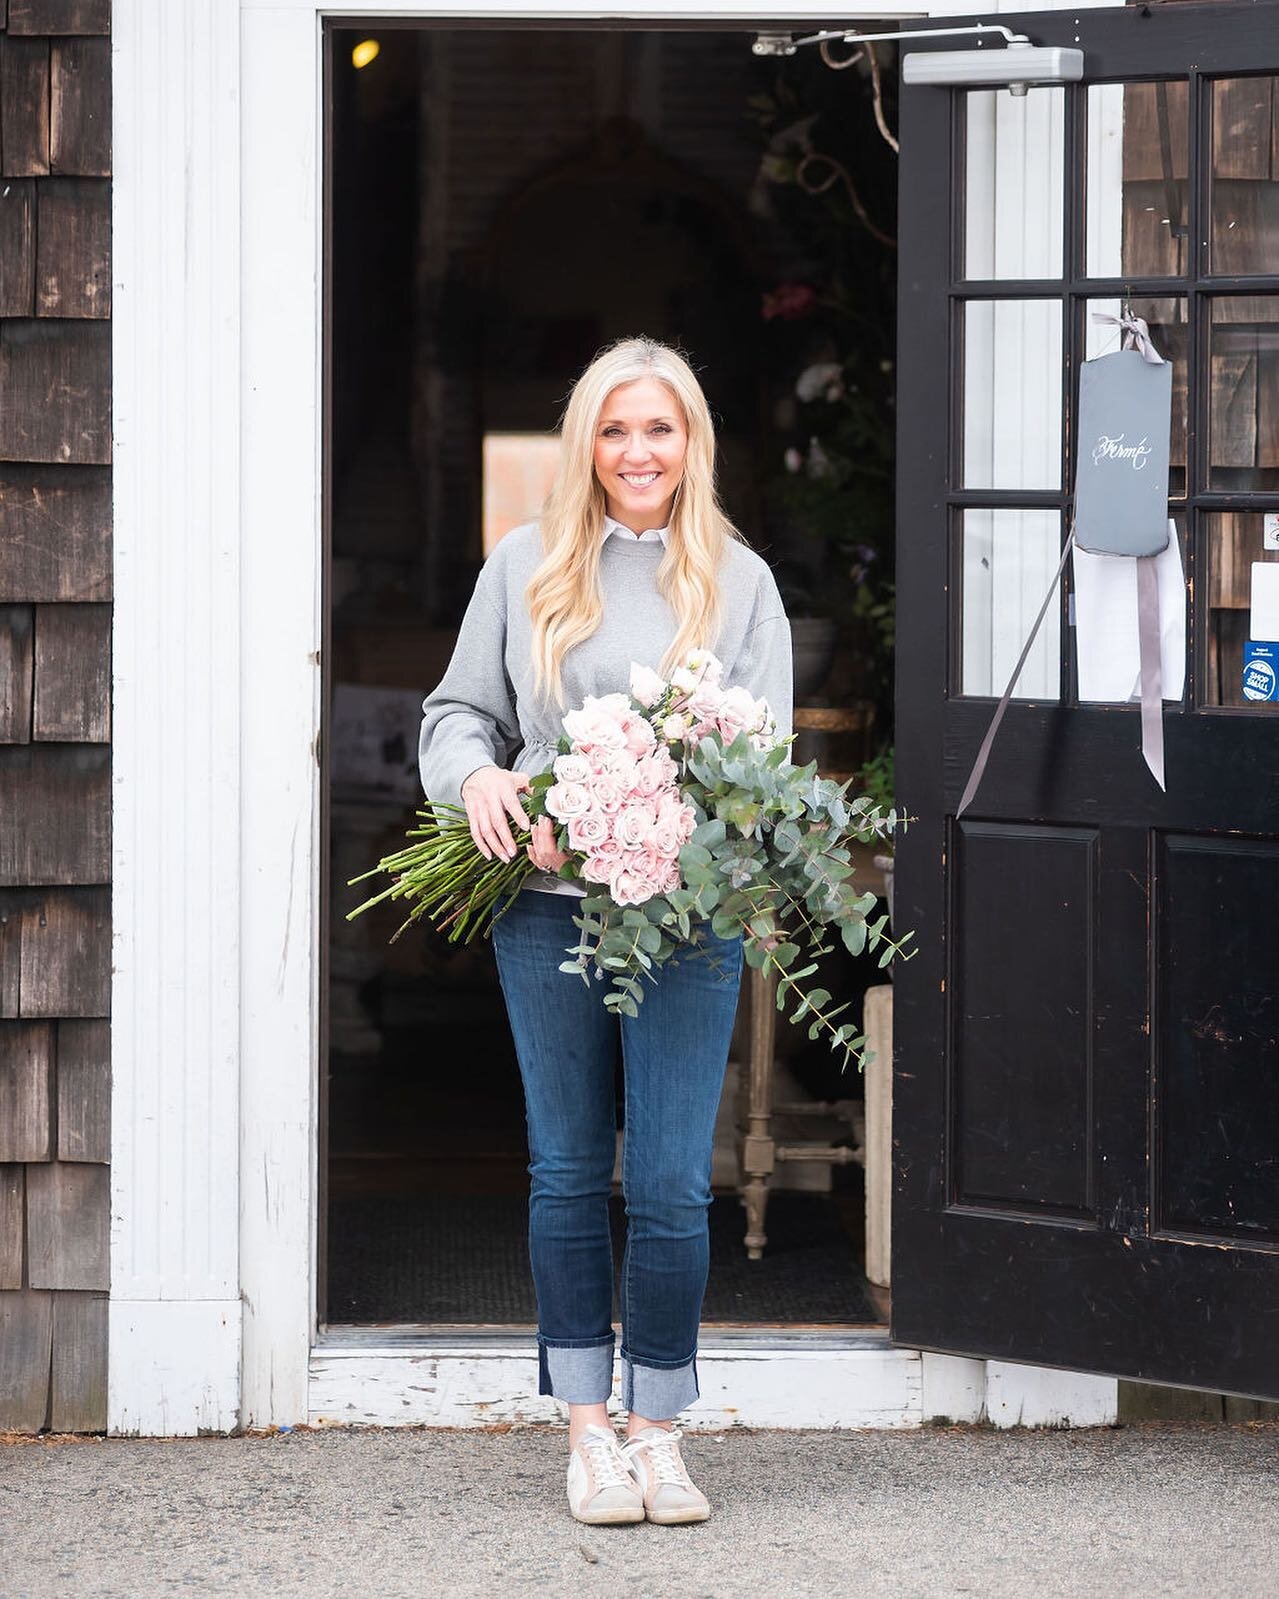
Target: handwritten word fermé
(1114, 449)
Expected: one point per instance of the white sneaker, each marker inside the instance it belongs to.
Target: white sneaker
(659, 1469)
(601, 1487)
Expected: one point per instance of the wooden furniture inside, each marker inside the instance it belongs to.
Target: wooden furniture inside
(832, 734)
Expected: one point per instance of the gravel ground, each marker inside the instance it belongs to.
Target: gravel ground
(1139, 1510)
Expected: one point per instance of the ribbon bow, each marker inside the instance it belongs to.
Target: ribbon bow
(1136, 334)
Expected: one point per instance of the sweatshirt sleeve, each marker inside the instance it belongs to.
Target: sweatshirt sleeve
(764, 666)
(469, 719)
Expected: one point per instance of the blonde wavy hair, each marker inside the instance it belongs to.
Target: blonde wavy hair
(563, 595)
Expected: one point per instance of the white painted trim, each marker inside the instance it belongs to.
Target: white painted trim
(175, 996)
(1037, 1396)
(173, 1367)
(953, 1388)
(280, 520)
(840, 1383)
(806, 1381)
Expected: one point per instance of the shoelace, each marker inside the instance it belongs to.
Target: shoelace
(662, 1453)
(607, 1464)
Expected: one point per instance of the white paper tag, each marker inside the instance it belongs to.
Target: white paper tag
(1263, 621)
(1106, 612)
(1270, 531)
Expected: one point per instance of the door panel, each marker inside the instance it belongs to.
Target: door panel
(1218, 1040)
(1087, 1065)
(1023, 936)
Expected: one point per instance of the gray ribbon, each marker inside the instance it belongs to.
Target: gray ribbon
(1136, 334)
(1152, 687)
(1151, 655)
(983, 754)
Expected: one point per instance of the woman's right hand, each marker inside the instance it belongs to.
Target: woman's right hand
(489, 795)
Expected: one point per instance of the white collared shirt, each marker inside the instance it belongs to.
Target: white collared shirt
(612, 525)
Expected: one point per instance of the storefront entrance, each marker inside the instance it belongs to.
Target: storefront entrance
(504, 202)
(1084, 1116)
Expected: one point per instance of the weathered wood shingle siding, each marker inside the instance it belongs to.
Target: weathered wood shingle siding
(55, 711)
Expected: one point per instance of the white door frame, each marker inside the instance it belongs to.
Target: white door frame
(218, 136)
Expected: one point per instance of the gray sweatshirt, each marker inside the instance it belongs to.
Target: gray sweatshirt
(485, 708)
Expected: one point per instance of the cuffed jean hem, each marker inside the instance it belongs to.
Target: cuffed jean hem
(658, 1392)
(579, 1373)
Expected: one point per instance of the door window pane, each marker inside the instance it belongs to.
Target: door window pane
(1170, 335)
(1243, 400)
(1014, 164)
(1135, 212)
(1243, 607)
(1008, 558)
(1012, 394)
(1244, 225)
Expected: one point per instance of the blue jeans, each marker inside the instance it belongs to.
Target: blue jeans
(674, 1054)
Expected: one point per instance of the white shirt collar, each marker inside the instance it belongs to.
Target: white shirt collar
(611, 525)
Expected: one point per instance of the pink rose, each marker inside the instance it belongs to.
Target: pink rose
(635, 823)
(606, 794)
(666, 836)
(597, 724)
(706, 703)
(669, 805)
(571, 768)
(613, 763)
(653, 774)
(630, 888)
(567, 800)
(675, 727)
(639, 734)
(668, 878)
(739, 710)
(602, 861)
(650, 862)
(588, 831)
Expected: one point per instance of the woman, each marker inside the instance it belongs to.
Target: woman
(632, 560)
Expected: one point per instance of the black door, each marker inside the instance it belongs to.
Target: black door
(1086, 1110)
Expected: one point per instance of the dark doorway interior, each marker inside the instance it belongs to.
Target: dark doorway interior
(504, 202)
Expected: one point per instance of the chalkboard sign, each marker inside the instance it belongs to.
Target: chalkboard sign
(1121, 479)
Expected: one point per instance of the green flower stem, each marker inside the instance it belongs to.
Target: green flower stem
(789, 984)
(446, 878)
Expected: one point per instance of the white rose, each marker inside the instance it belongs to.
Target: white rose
(647, 686)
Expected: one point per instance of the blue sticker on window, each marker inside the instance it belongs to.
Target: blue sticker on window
(1260, 670)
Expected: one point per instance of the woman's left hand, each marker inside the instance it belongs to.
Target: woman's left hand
(542, 850)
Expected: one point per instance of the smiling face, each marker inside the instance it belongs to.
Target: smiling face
(640, 443)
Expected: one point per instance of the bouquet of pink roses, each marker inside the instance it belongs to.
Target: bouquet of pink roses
(677, 805)
(617, 789)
